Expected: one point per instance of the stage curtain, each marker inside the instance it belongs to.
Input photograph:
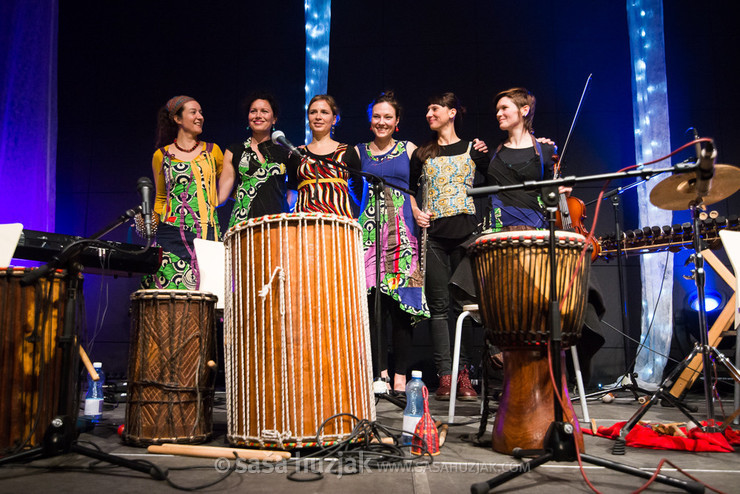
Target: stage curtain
(28, 112)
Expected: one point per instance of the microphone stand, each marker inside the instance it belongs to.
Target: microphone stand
(378, 184)
(559, 443)
(61, 434)
(627, 381)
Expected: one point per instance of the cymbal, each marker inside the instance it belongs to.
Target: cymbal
(678, 191)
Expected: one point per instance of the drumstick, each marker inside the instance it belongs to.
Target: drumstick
(218, 452)
(443, 434)
(88, 365)
(211, 364)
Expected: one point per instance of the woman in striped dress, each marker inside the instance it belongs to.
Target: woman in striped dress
(322, 186)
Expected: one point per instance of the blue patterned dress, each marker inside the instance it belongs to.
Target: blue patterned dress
(400, 269)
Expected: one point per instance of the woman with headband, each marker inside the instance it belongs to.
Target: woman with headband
(186, 172)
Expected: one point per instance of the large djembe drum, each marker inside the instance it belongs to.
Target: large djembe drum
(296, 331)
(512, 270)
(31, 322)
(171, 373)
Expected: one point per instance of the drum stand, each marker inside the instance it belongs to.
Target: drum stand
(61, 434)
(702, 348)
(559, 443)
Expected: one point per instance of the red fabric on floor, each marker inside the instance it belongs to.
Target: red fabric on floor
(696, 440)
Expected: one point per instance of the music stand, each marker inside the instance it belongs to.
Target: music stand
(61, 434)
(559, 443)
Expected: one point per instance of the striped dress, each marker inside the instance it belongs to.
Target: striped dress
(332, 193)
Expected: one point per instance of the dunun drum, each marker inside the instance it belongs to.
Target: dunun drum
(512, 270)
(296, 331)
(31, 320)
(170, 374)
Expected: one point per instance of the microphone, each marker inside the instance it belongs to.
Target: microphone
(705, 171)
(278, 137)
(145, 186)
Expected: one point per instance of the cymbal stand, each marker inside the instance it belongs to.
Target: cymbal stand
(703, 347)
(61, 434)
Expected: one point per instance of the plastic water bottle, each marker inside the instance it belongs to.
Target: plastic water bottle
(94, 395)
(414, 406)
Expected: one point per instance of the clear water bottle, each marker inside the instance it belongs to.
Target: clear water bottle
(94, 396)
(414, 406)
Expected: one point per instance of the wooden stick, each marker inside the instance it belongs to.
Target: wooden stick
(88, 365)
(218, 452)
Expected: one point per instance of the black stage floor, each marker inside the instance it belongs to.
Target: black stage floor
(459, 465)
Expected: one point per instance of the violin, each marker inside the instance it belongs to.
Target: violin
(571, 215)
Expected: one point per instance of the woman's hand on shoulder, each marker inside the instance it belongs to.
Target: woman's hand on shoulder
(546, 140)
(480, 145)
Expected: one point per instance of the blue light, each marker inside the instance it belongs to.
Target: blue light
(318, 27)
(712, 301)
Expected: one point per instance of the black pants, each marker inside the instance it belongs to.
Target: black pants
(401, 334)
(443, 257)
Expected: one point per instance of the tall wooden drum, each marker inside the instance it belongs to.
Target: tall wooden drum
(170, 382)
(31, 322)
(513, 277)
(296, 331)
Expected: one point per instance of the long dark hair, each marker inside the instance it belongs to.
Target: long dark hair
(448, 100)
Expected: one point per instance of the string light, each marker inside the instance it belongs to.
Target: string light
(652, 138)
(317, 14)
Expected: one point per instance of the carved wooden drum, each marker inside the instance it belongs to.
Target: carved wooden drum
(512, 271)
(171, 375)
(296, 330)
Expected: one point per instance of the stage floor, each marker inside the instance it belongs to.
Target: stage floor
(459, 465)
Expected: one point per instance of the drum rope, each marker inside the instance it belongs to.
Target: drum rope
(317, 253)
(333, 333)
(284, 376)
(265, 290)
(318, 386)
(230, 315)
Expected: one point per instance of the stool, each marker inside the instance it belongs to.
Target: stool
(468, 310)
(472, 311)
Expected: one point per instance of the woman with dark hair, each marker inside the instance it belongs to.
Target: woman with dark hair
(186, 172)
(447, 166)
(256, 165)
(517, 159)
(323, 187)
(401, 282)
(521, 157)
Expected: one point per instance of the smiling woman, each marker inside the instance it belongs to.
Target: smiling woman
(256, 165)
(401, 280)
(185, 173)
(322, 186)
